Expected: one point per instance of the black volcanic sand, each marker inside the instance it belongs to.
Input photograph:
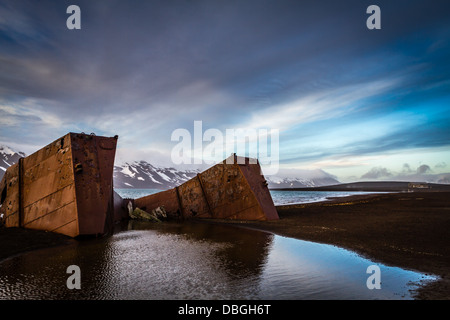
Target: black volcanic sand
(407, 230)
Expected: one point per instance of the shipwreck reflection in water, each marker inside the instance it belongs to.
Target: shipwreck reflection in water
(197, 261)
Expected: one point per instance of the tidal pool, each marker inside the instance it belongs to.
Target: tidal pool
(199, 261)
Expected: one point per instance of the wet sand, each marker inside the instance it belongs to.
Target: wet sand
(407, 230)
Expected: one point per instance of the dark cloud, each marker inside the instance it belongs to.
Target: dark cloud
(376, 173)
(423, 169)
(422, 174)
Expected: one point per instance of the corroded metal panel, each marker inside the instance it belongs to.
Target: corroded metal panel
(258, 184)
(192, 199)
(93, 162)
(50, 204)
(229, 194)
(225, 191)
(47, 171)
(65, 187)
(62, 220)
(168, 199)
(9, 190)
(48, 188)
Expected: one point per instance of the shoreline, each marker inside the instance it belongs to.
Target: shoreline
(406, 230)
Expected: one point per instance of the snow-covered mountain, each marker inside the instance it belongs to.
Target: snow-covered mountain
(143, 175)
(7, 158)
(299, 178)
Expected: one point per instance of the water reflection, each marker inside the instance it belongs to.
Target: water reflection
(240, 253)
(197, 261)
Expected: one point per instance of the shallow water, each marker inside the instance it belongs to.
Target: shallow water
(285, 197)
(199, 261)
(279, 197)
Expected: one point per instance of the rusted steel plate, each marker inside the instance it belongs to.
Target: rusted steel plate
(65, 187)
(48, 188)
(44, 176)
(62, 220)
(193, 200)
(224, 191)
(168, 199)
(9, 188)
(258, 185)
(229, 194)
(50, 204)
(93, 162)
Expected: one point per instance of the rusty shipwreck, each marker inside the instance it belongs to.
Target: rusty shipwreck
(233, 189)
(65, 187)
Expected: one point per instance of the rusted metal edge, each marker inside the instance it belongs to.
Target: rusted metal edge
(253, 190)
(199, 176)
(63, 225)
(180, 206)
(21, 191)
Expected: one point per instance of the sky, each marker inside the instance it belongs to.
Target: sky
(357, 103)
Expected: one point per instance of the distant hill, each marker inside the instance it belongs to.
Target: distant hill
(143, 175)
(379, 186)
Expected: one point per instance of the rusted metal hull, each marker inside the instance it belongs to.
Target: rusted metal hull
(65, 187)
(225, 191)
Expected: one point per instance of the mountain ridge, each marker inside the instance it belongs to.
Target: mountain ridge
(8, 157)
(144, 175)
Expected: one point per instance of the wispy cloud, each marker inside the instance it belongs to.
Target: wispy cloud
(27, 112)
(325, 104)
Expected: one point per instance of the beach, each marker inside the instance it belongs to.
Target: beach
(407, 230)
